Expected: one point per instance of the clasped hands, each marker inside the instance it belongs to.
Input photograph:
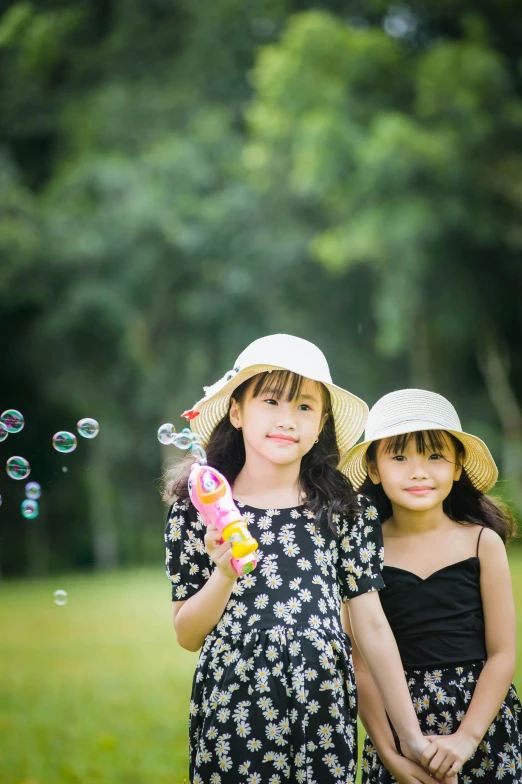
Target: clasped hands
(440, 760)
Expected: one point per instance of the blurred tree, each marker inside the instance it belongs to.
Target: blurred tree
(178, 179)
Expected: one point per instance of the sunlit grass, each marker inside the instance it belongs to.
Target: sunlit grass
(97, 691)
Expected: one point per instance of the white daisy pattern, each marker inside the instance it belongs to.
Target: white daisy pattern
(273, 697)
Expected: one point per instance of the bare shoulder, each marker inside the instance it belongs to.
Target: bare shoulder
(492, 549)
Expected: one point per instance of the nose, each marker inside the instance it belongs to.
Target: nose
(419, 469)
(285, 416)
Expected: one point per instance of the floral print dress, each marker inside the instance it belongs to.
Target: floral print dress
(273, 698)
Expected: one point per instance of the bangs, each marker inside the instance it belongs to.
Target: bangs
(283, 384)
(434, 441)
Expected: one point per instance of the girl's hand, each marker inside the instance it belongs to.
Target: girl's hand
(220, 552)
(415, 748)
(451, 752)
(407, 772)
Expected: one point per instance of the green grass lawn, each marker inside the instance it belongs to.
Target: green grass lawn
(97, 691)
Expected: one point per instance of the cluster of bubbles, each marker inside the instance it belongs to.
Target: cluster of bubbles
(30, 507)
(65, 442)
(187, 439)
(12, 421)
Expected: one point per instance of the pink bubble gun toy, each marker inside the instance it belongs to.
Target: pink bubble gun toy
(211, 495)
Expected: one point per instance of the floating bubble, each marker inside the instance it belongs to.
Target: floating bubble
(12, 420)
(4, 432)
(64, 469)
(30, 508)
(182, 441)
(18, 467)
(88, 428)
(33, 491)
(64, 442)
(199, 453)
(60, 597)
(0, 500)
(166, 433)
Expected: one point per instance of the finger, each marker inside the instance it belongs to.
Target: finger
(436, 762)
(424, 777)
(445, 766)
(222, 551)
(429, 752)
(212, 527)
(451, 775)
(213, 539)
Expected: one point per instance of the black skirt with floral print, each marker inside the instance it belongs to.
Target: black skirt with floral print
(441, 698)
(273, 697)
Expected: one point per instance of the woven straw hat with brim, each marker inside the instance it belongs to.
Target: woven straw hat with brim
(411, 410)
(281, 352)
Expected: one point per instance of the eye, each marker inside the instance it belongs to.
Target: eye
(399, 458)
(305, 407)
(270, 400)
(436, 457)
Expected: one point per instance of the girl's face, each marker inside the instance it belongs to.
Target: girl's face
(280, 430)
(415, 478)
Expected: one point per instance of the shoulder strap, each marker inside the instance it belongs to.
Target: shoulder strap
(478, 540)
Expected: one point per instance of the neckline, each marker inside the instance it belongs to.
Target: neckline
(437, 571)
(242, 505)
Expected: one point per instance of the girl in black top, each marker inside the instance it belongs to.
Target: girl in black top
(448, 595)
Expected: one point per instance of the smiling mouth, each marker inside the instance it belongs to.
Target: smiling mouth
(283, 439)
(419, 490)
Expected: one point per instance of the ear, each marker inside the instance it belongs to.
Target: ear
(373, 473)
(458, 472)
(235, 413)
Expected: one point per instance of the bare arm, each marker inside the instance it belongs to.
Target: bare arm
(194, 618)
(373, 716)
(370, 705)
(375, 642)
(495, 679)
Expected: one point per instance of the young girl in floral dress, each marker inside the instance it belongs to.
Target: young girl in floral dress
(448, 595)
(273, 696)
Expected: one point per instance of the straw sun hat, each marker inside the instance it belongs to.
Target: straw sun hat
(280, 352)
(410, 410)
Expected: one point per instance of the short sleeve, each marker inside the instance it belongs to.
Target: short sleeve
(187, 563)
(361, 551)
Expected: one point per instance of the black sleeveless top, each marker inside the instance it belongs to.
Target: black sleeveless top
(437, 621)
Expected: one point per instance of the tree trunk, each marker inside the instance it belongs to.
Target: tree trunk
(102, 509)
(494, 367)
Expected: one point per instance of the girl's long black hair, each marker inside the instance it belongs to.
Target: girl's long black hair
(321, 484)
(464, 504)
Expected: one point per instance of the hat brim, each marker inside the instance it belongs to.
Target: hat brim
(478, 461)
(349, 412)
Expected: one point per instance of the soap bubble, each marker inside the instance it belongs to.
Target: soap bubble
(64, 442)
(30, 508)
(18, 468)
(88, 428)
(64, 469)
(199, 454)
(166, 433)
(12, 420)
(4, 432)
(60, 597)
(182, 441)
(0, 500)
(33, 491)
